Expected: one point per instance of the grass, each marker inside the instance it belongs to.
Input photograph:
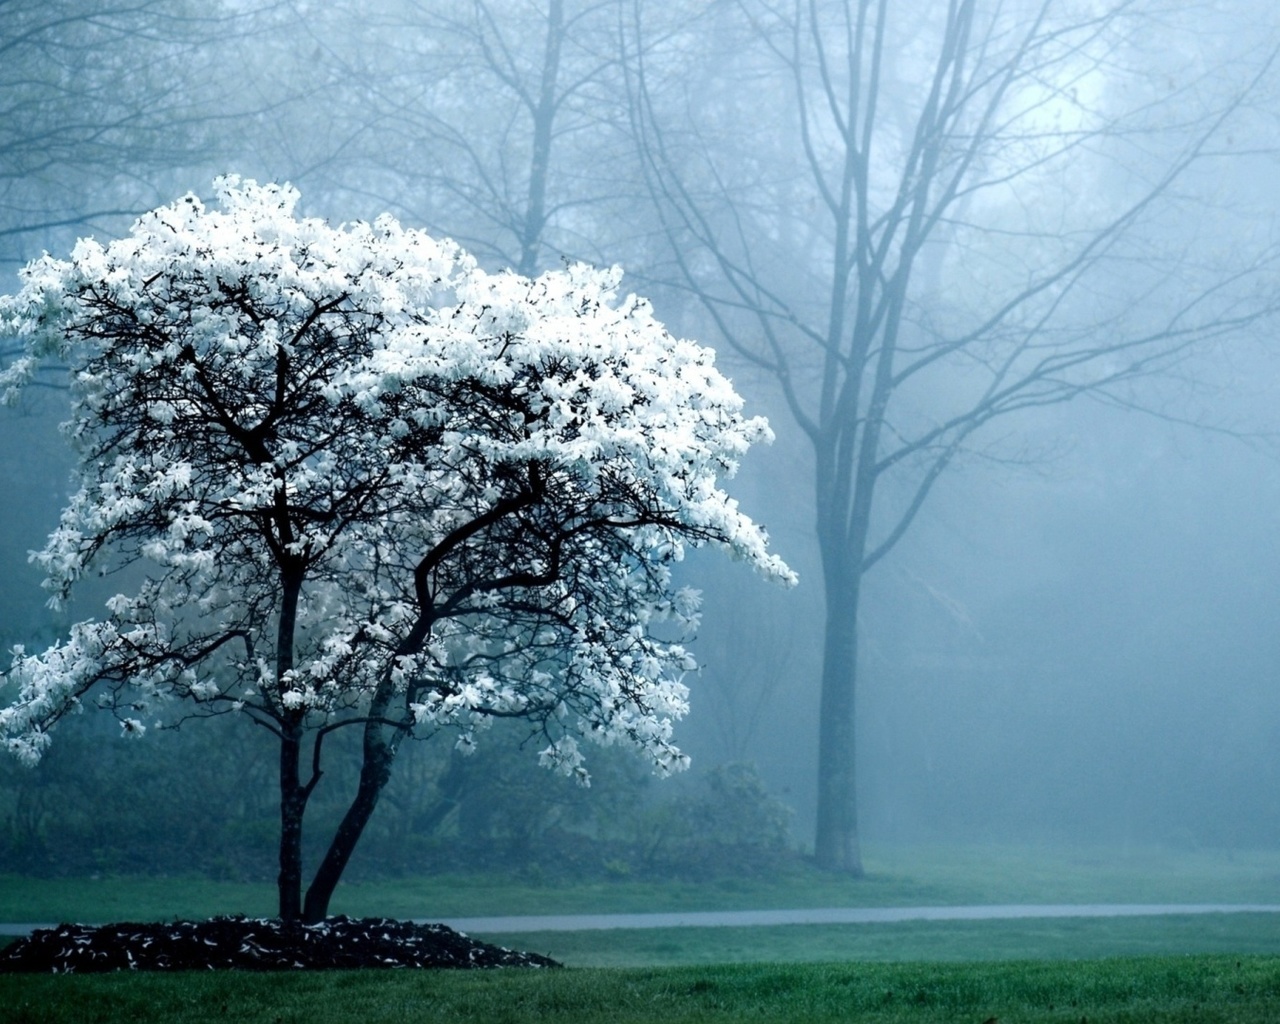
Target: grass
(921, 941)
(917, 941)
(1240, 990)
(896, 877)
(1027, 971)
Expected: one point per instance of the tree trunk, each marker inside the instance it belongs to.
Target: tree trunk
(836, 845)
(292, 802)
(293, 796)
(535, 215)
(375, 770)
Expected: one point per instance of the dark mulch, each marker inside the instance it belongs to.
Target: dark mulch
(255, 944)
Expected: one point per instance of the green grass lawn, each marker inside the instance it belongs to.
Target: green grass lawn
(1239, 990)
(1226, 967)
(895, 877)
(922, 941)
(901, 877)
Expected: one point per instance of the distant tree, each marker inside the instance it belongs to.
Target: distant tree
(96, 93)
(536, 63)
(349, 480)
(102, 104)
(923, 219)
(501, 121)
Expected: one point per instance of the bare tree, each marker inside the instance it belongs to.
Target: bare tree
(495, 121)
(94, 95)
(101, 105)
(937, 216)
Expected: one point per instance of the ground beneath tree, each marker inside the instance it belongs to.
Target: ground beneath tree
(255, 944)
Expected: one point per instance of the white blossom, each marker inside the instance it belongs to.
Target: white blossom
(472, 484)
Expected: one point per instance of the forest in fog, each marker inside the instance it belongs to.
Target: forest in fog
(1002, 276)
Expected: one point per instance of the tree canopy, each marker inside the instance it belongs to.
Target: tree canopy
(346, 478)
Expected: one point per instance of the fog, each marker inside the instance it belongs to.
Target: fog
(1076, 639)
(1083, 653)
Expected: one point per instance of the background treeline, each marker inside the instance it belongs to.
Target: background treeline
(200, 801)
(1077, 640)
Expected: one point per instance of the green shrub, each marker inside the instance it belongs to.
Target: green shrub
(204, 802)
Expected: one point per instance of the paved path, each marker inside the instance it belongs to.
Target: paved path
(842, 915)
(820, 915)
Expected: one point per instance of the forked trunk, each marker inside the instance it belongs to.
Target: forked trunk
(375, 771)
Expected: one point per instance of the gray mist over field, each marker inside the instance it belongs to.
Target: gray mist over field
(1073, 639)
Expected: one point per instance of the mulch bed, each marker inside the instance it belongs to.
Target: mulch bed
(255, 944)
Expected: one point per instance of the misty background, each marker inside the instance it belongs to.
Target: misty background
(1077, 641)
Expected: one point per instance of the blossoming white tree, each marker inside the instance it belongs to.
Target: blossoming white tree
(349, 480)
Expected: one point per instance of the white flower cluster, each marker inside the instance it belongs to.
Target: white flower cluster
(361, 477)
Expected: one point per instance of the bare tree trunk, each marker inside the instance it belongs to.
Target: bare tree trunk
(292, 803)
(293, 795)
(544, 115)
(375, 771)
(374, 774)
(837, 846)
